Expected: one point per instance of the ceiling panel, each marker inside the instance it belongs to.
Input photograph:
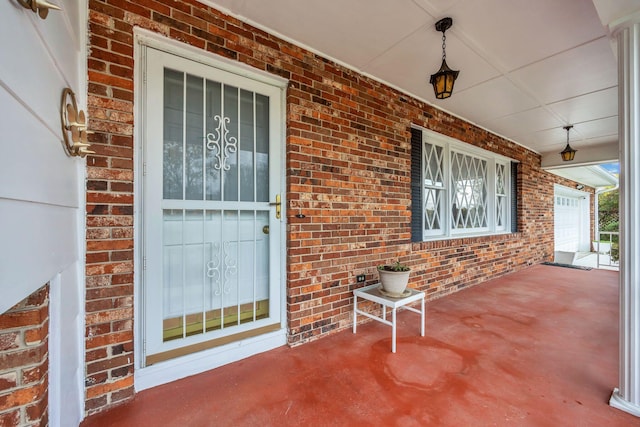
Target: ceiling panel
(506, 29)
(582, 134)
(489, 100)
(438, 7)
(601, 140)
(598, 128)
(525, 122)
(542, 140)
(588, 68)
(587, 107)
(412, 61)
(353, 32)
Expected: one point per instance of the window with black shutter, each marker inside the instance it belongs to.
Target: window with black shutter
(458, 189)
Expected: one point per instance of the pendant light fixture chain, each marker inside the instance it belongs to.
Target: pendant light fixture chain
(444, 45)
(568, 153)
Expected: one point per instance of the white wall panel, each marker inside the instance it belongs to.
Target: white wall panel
(37, 242)
(26, 68)
(41, 188)
(62, 41)
(34, 165)
(38, 181)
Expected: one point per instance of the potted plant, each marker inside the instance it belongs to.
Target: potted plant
(394, 278)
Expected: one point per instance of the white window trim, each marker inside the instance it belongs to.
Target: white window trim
(436, 233)
(507, 195)
(446, 232)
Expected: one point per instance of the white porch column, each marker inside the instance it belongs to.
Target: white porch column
(627, 396)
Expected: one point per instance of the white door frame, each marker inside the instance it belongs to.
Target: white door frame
(170, 370)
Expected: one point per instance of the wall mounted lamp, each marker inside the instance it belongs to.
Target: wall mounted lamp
(41, 7)
(568, 153)
(444, 79)
(74, 125)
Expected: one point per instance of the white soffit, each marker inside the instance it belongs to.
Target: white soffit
(592, 176)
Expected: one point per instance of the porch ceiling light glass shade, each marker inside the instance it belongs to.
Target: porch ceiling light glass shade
(444, 79)
(568, 153)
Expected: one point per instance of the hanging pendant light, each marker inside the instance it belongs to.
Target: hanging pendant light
(568, 153)
(444, 79)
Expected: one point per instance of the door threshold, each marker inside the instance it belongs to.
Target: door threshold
(202, 361)
(217, 342)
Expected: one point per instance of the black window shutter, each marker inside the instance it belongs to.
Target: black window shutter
(416, 185)
(514, 197)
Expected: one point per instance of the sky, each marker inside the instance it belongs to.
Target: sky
(612, 167)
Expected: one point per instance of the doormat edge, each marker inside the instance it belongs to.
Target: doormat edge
(575, 267)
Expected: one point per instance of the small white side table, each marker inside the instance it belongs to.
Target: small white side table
(372, 293)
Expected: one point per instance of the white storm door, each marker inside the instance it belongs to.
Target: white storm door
(212, 176)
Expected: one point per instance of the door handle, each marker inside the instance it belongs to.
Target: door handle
(278, 205)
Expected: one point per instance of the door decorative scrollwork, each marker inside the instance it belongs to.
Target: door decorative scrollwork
(219, 272)
(213, 268)
(221, 144)
(230, 268)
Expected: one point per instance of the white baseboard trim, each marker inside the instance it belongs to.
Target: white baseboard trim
(619, 403)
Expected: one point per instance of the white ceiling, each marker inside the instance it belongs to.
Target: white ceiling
(527, 67)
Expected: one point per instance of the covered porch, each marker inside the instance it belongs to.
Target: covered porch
(536, 347)
(365, 166)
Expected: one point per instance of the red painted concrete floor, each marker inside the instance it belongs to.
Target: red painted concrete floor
(535, 348)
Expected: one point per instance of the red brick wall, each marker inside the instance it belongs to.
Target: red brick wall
(24, 361)
(347, 169)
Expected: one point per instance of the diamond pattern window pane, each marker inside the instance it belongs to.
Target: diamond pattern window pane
(468, 192)
(500, 212)
(432, 209)
(501, 196)
(433, 166)
(433, 173)
(501, 188)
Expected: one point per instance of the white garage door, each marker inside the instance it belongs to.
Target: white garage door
(567, 223)
(571, 220)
